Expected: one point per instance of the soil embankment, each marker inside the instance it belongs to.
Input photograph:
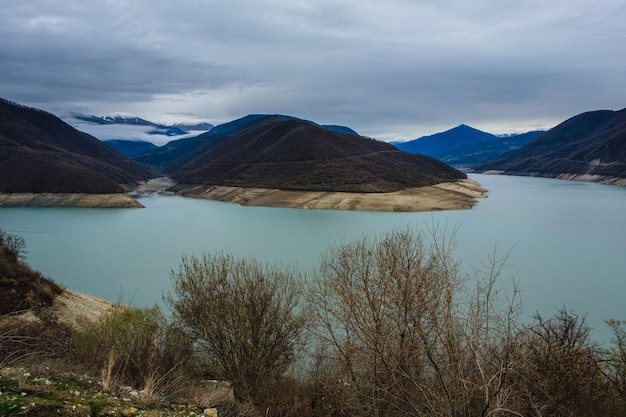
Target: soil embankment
(459, 195)
(70, 308)
(68, 200)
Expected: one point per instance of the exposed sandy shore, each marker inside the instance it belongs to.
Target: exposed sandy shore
(71, 308)
(599, 179)
(68, 200)
(459, 195)
(77, 309)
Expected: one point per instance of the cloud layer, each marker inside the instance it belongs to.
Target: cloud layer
(392, 70)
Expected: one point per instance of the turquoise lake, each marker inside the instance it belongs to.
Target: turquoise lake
(568, 241)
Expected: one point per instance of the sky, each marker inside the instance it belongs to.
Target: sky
(391, 70)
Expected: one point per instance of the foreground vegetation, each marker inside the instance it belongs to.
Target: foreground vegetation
(387, 326)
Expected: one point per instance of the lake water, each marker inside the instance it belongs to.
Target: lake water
(568, 241)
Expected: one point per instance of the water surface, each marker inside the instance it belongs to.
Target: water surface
(568, 241)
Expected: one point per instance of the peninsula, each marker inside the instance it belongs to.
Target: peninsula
(281, 161)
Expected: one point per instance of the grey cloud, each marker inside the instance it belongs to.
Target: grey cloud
(388, 69)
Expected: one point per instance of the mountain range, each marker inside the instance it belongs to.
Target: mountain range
(590, 146)
(41, 153)
(119, 118)
(125, 129)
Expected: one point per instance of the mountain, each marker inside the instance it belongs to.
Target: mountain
(194, 127)
(589, 146)
(486, 151)
(41, 153)
(464, 146)
(166, 156)
(123, 119)
(114, 118)
(291, 154)
(119, 126)
(130, 147)
(445, 143)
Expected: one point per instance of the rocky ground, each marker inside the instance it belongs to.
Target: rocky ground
(42, 386)
(43, 392)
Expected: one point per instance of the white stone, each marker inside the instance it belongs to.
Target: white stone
(210, 412)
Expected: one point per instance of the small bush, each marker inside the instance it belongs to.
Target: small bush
(246, 318)
(32, 342)
(135, 347)
(20, 286)
(10, 405)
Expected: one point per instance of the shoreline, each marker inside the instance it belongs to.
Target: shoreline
(592, 178)
(458, 195)
(68, 200)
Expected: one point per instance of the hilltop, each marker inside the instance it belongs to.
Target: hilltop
(299, 156)
(590, 146)
(39, 153)
(166, 157)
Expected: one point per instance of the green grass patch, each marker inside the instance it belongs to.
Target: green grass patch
(10, 404)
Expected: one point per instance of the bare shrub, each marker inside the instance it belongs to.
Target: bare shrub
(135, 347)
(246, 318)
(563, 374)
(615, 364)
(24, 341)
(402, 334)
(20, 286)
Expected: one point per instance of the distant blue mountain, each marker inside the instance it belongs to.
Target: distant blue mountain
(130, 147)
(443, 144)
(486, 151)
(190, 127)
(464, 146)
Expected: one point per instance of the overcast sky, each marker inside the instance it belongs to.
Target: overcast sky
(392, 69)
